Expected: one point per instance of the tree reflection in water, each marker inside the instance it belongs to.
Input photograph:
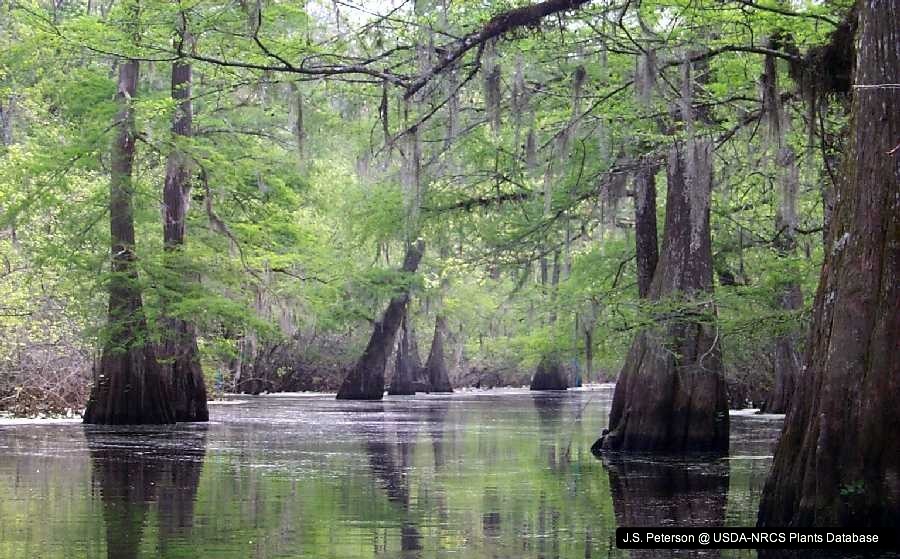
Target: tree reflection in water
(390, 462)
(132, 470)
(657, 491)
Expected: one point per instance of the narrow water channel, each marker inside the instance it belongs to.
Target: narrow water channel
(493, 474)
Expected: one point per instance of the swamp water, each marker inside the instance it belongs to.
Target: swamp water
(484, 474)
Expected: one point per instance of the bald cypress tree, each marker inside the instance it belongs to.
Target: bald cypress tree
(179, 355)
(128, 387)
(838, 460)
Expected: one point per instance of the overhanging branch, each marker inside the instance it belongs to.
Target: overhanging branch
(527, 16)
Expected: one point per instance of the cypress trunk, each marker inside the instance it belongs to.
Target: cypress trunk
(436, 371)
(179, 356)
(790, 298)
(551, 374)
(645, 233)
(787, 358)
(128, 385)
(366, 380)
(406, 366)
(838, 460)
(670, 395)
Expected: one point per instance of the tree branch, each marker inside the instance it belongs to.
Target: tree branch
(527, 16)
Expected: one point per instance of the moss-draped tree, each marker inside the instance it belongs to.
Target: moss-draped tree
(838, 460)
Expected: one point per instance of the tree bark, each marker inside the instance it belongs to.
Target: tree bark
(645, 233)
(670, 395)
(407, 364)
(436, 370)
(790, 298)
(838, 460)
(128, 387)
(179, 355)
(550, 374)
(588, 354)
(366, 380)
(787, 358)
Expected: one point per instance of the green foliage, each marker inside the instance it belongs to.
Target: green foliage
(301, 205)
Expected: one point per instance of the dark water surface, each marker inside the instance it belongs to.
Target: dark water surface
(503, 474)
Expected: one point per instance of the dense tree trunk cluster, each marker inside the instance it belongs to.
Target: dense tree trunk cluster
(471, 172)
(137, 382)
(366, 380)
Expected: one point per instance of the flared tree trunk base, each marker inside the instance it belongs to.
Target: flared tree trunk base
(671, 395)
(550, 375)
(180, 361)
(407, 364)
(435, 371)
(129, 389)
(366, 380)
(838, 460)
(670, 399)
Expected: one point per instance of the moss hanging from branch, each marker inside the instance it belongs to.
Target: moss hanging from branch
(645, 77)
(492, 74)
(296, 119)
(773, 113)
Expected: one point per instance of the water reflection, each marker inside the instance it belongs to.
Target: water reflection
(436, 415)
(132, 471)
(390, 462)
(549, 408)
(659, 491)
(475, 475)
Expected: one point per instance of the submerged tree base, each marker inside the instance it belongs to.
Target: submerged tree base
(673, 405)
(671, 395)
(838, 460)
(550, 375)
(366, 380)
(181, 365)
(129, 390)
(435, 372)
